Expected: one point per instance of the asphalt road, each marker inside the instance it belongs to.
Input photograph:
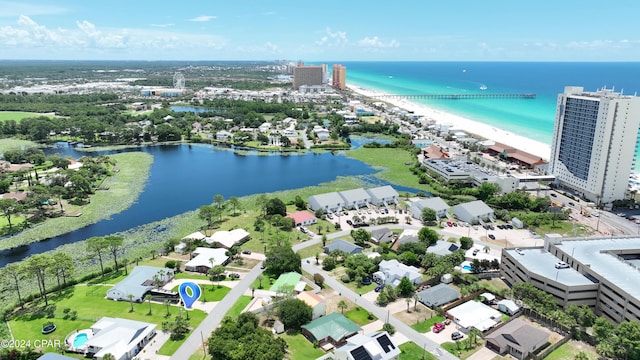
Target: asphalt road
(215, 317)
(381, 313)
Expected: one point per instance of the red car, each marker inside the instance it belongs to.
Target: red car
(437, 327)
(449, 224)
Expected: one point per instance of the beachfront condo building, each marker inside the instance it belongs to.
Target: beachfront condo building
(594, 142)
(339, 77)
(307, 75)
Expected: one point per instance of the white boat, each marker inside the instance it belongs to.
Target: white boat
(483, 87)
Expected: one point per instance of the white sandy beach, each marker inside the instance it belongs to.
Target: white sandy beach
(470, 126)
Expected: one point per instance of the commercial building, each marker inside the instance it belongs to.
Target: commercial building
(307, 75)
(339, 77)
(594, 142)
(602, 273)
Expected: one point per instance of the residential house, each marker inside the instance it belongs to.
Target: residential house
(378, 346)
(224, 135)
(288, 283)
(391, 272)
(434, 151)
(406, 237)
(333, 330)
(303, 218)
(355, 198)
(203, 259)
(383, 195)
(321, 133)
(382, 236)
(438, 205)
(264, 127)
(139, 282)
(442, 248)
(317, 303)
(344, 246)
(518, 339)
(227, 239)
(328, 202)
(473, 212)
(474, 314)
(438, 295)
(122, 338)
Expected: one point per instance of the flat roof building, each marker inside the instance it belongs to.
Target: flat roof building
(594, 142)
(307, 75)
(602, 273)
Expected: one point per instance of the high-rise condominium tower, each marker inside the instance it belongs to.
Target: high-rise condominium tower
(339, 77)
(594, 142)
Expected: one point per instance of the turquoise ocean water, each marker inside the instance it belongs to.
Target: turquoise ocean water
(532, 118)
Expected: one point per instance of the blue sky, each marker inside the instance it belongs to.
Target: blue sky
(421, 30)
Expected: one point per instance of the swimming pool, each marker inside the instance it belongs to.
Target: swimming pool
(467, 267)
(79, 340)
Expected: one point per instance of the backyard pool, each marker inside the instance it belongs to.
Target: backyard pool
(467, 267)
(79, 340)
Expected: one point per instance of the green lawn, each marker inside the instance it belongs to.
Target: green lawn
(391, 162)
(459, 349)
(570, 349)
(300, 348)
(210, 292)
(237, 308)
(360, 316)
(85, 300)
(191, 276)
(425, 326)
(19, 115)
(411, 351)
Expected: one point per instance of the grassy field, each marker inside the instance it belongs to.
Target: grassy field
(210, 292)
(19, 115)
(15, 144)
(360, 316)
(411, 351)
(570, 349)
(425, 326)
(124, 188)
(85, 299)
(300, 348)
(391, 163)
(459, 351)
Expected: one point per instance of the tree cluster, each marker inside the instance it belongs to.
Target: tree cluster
(244, 339)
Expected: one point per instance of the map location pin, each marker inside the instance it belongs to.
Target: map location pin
(189, 293)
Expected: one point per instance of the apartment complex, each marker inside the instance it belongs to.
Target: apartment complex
(594, 142)
(339, 77)
(602, 273)
(307, 75)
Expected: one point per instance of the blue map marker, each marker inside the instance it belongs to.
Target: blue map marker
(189, 293)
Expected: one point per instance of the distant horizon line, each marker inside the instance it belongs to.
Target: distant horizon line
(323, 61)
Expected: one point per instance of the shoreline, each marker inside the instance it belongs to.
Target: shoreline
(470, 126)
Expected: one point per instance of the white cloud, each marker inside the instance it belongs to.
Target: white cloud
(338, 38)
(267, 47)
(13, 9)
(162, 25)
(85, 36)
(203, 18)
(376, 43)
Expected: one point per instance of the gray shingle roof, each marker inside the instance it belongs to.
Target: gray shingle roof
(438, 295)
(344, 246)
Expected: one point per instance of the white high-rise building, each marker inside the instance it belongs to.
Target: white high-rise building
(594, 142)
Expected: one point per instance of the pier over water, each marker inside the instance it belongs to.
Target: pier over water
(453, 96)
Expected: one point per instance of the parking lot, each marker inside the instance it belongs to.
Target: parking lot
(347, 218)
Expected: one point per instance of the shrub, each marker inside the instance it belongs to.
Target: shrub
(389, 328)
(345, 278)
(171, 264)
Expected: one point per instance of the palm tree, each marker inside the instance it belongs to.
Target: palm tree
(408, 300)
(486, 249)
(342, 305)
(415, 302)
(317, 258)
(130, 297)
(260, 278)
(148, 298)
(166, 303)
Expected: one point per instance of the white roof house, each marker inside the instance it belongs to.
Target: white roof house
(227, 239)
(194, 236)
(355, 198)
(391, 273)
(383, 195)
(377, 346)
(122, 338)
(508, 307)
(206, 258)
(329, 202)
(474, 211)
(223, 135)
(437, 204)
(475, 314)
(139, 281)
(322, 134)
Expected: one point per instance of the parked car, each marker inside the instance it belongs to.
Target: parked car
(349, 222)
(449, 224)
(562, 265)
(553, 194)
(475, 252)
(329, 217)
(438, 327)
(378, 288)
(246, 252)
(456, 336)
(234, 276)
(492, 237)
(519, 251)
(571, 204)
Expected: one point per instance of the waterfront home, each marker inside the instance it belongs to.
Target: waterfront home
(227, 239)
(328, 202)
(139, 282)
(383, 195)
(355, 198)
(303, 218)
(122, 338)
(224, 135)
